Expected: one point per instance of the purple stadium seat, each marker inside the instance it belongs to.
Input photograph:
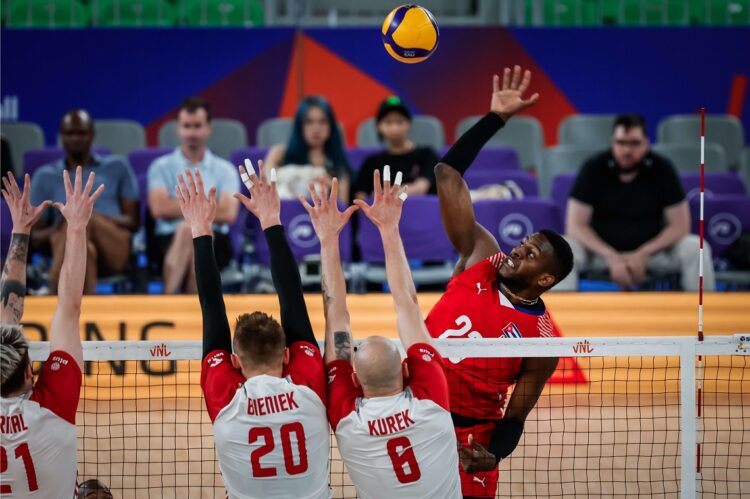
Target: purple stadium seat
(141, 159)
(478, 178)
(300, 233)
(254, 153)
(421, 230)
(511, 221)
(726, 217)
(492, 158)
(560, 191)
(357, 155)
(716, 183)
(35, 158)
(7, 228)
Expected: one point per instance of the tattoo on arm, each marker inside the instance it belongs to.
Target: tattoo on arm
(327, 299)
(342, 341)
(19, 249)
(13, 280)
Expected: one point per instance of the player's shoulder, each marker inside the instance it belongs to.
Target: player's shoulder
(483, 271)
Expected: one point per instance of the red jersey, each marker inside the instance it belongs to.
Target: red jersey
(271, 433)
(474, 307)
(38, 433)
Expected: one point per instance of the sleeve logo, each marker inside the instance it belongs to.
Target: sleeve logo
(215, 359)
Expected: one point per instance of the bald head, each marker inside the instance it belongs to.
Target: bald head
(77, 133)
(377, 362)
(93, 489)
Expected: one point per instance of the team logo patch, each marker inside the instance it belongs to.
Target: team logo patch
(55, 366)
(215, 359)
(331, 374)
(426, 355)
(511, 331)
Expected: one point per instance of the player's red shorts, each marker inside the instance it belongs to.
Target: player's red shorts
(482, 483)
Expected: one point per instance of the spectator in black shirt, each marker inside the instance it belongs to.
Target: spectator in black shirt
(627, 214)
(416, 164)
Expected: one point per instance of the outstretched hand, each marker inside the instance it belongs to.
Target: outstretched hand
(508, 99)
(22, 212)
(79, 202)
(385, 211)
(475, 457)
(328, 221)
(198, 210)
(264, 200)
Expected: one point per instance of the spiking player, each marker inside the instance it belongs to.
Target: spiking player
(492, 295)
(267, 399)
(38, 420)
(391, 421)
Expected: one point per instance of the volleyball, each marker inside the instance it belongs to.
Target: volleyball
(410, 33)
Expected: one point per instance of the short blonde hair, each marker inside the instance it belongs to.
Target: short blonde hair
(14, 350)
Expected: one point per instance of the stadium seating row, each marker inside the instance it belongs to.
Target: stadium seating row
(132, 13)
(578, 135)
(168, 13)
(727, 215)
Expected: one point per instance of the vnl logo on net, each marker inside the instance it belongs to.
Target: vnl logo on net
(9, 108)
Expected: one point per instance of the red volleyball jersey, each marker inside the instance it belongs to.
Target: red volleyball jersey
(474, 307)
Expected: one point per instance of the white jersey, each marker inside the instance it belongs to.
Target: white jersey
(272, 437)
(403, 445)
(38, 434)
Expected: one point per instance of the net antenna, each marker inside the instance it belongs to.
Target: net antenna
(699, 374)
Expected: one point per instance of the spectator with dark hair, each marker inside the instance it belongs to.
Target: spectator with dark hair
(93, 489)
(116, 212)
(172, 235)
(315, 149)
(627, 214)
(416, 164)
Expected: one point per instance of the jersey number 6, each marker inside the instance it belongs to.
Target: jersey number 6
(266, 434)
(402, 454)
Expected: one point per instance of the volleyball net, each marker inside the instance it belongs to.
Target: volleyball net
(640, 417)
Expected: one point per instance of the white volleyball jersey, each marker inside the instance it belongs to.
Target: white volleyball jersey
(38, 434)
(272, 437)
(403, 445)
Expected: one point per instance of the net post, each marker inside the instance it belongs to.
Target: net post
(688, 414)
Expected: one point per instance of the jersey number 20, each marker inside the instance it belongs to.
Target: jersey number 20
(402, 454)
(21, 452)
(266, 434)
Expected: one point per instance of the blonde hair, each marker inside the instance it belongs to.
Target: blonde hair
(14, 351)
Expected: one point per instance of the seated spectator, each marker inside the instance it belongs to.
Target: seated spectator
(174, 241)
(315, 148)
(416, 164)
(116, 212)
(93, 489)
(627, 214)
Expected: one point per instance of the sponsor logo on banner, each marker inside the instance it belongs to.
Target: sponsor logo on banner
(160, 351)
(583, 347)
(514, 227)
